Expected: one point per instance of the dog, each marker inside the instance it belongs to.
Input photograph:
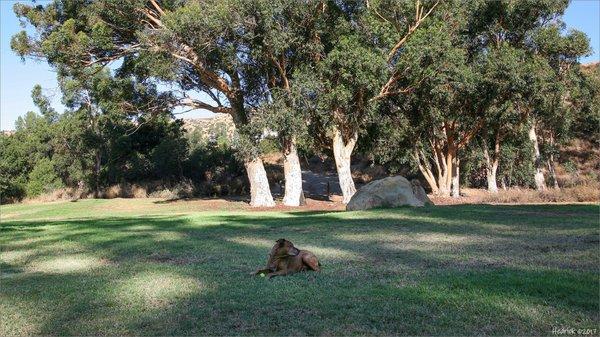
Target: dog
(285, 259)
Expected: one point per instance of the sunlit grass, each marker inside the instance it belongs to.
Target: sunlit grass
(156, 290)
(148, 268)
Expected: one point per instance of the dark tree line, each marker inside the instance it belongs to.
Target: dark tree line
(428, 84)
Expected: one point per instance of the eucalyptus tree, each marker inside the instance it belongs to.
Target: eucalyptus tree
(280, 116)
(445, 109)
(356, 70)
(517, 39)
(503, 73)
(552, 121)
(102, 110)
(206, 47)
(587, 99)
(289, 39)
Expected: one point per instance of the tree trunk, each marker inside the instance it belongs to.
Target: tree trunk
(97, 165)
(491, 168)
(445, 178)
(443, 187)
(491, 162)
(540, 183)
(260, 193)
(294, 196)
(492, 185)
(342, 152)
(552, 172)
(551, 167)
(442, 182)
(425, 169)
(456, 178)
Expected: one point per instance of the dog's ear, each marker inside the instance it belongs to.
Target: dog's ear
(281, 242)
(293, 251)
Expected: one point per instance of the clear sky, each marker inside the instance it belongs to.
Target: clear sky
(18, 78)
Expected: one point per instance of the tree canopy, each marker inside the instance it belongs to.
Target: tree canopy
(423, 84)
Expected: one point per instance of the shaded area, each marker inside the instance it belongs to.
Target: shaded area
(320, 186)
(439, 270)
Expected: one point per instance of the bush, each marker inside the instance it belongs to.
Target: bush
(215, 169)
(10, 189)
(124, 190)
(168, 157)
(182, 189)
(42, 179)
(67, 193)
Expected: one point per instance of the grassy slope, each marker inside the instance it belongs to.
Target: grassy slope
(132, 267)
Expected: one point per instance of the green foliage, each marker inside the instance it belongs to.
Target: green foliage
(12, 169)
(42, 178)
(290, 72)
(168, 157)
(515, 163)
(213, 164)
(586, 103)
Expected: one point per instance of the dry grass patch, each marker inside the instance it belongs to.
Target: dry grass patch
(585, 192)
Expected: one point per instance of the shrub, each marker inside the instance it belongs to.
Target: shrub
(183, 189)
(11, 190)
(138, 191)
(215, 169)
(168, 157)
(42, 178)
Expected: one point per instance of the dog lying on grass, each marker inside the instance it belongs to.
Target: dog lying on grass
(285, 259)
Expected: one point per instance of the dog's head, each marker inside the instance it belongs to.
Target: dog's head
(282, 249)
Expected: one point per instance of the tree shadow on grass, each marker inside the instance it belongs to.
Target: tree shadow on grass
(404, 271)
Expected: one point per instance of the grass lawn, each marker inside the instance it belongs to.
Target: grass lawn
(140, 267)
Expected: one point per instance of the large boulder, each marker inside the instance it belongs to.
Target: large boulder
(419, 192)
(388, 192)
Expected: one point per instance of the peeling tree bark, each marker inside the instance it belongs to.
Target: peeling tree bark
(260, 193)
(491, 162)
(552, 172)
(294, 196)
(342, 152)
(492, 185)
(442, 182)
(444, 155)
(551, 167)
(425, 169)
(540, 183)
(445, 184)
(456, 178)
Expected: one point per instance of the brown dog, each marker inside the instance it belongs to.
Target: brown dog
(286, 259)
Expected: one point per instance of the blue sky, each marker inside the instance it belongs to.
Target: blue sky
(18, 78)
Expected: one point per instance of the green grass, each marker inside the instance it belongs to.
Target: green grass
(131, 267)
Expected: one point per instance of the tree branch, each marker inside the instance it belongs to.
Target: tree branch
(196, 104)
(419, 17)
